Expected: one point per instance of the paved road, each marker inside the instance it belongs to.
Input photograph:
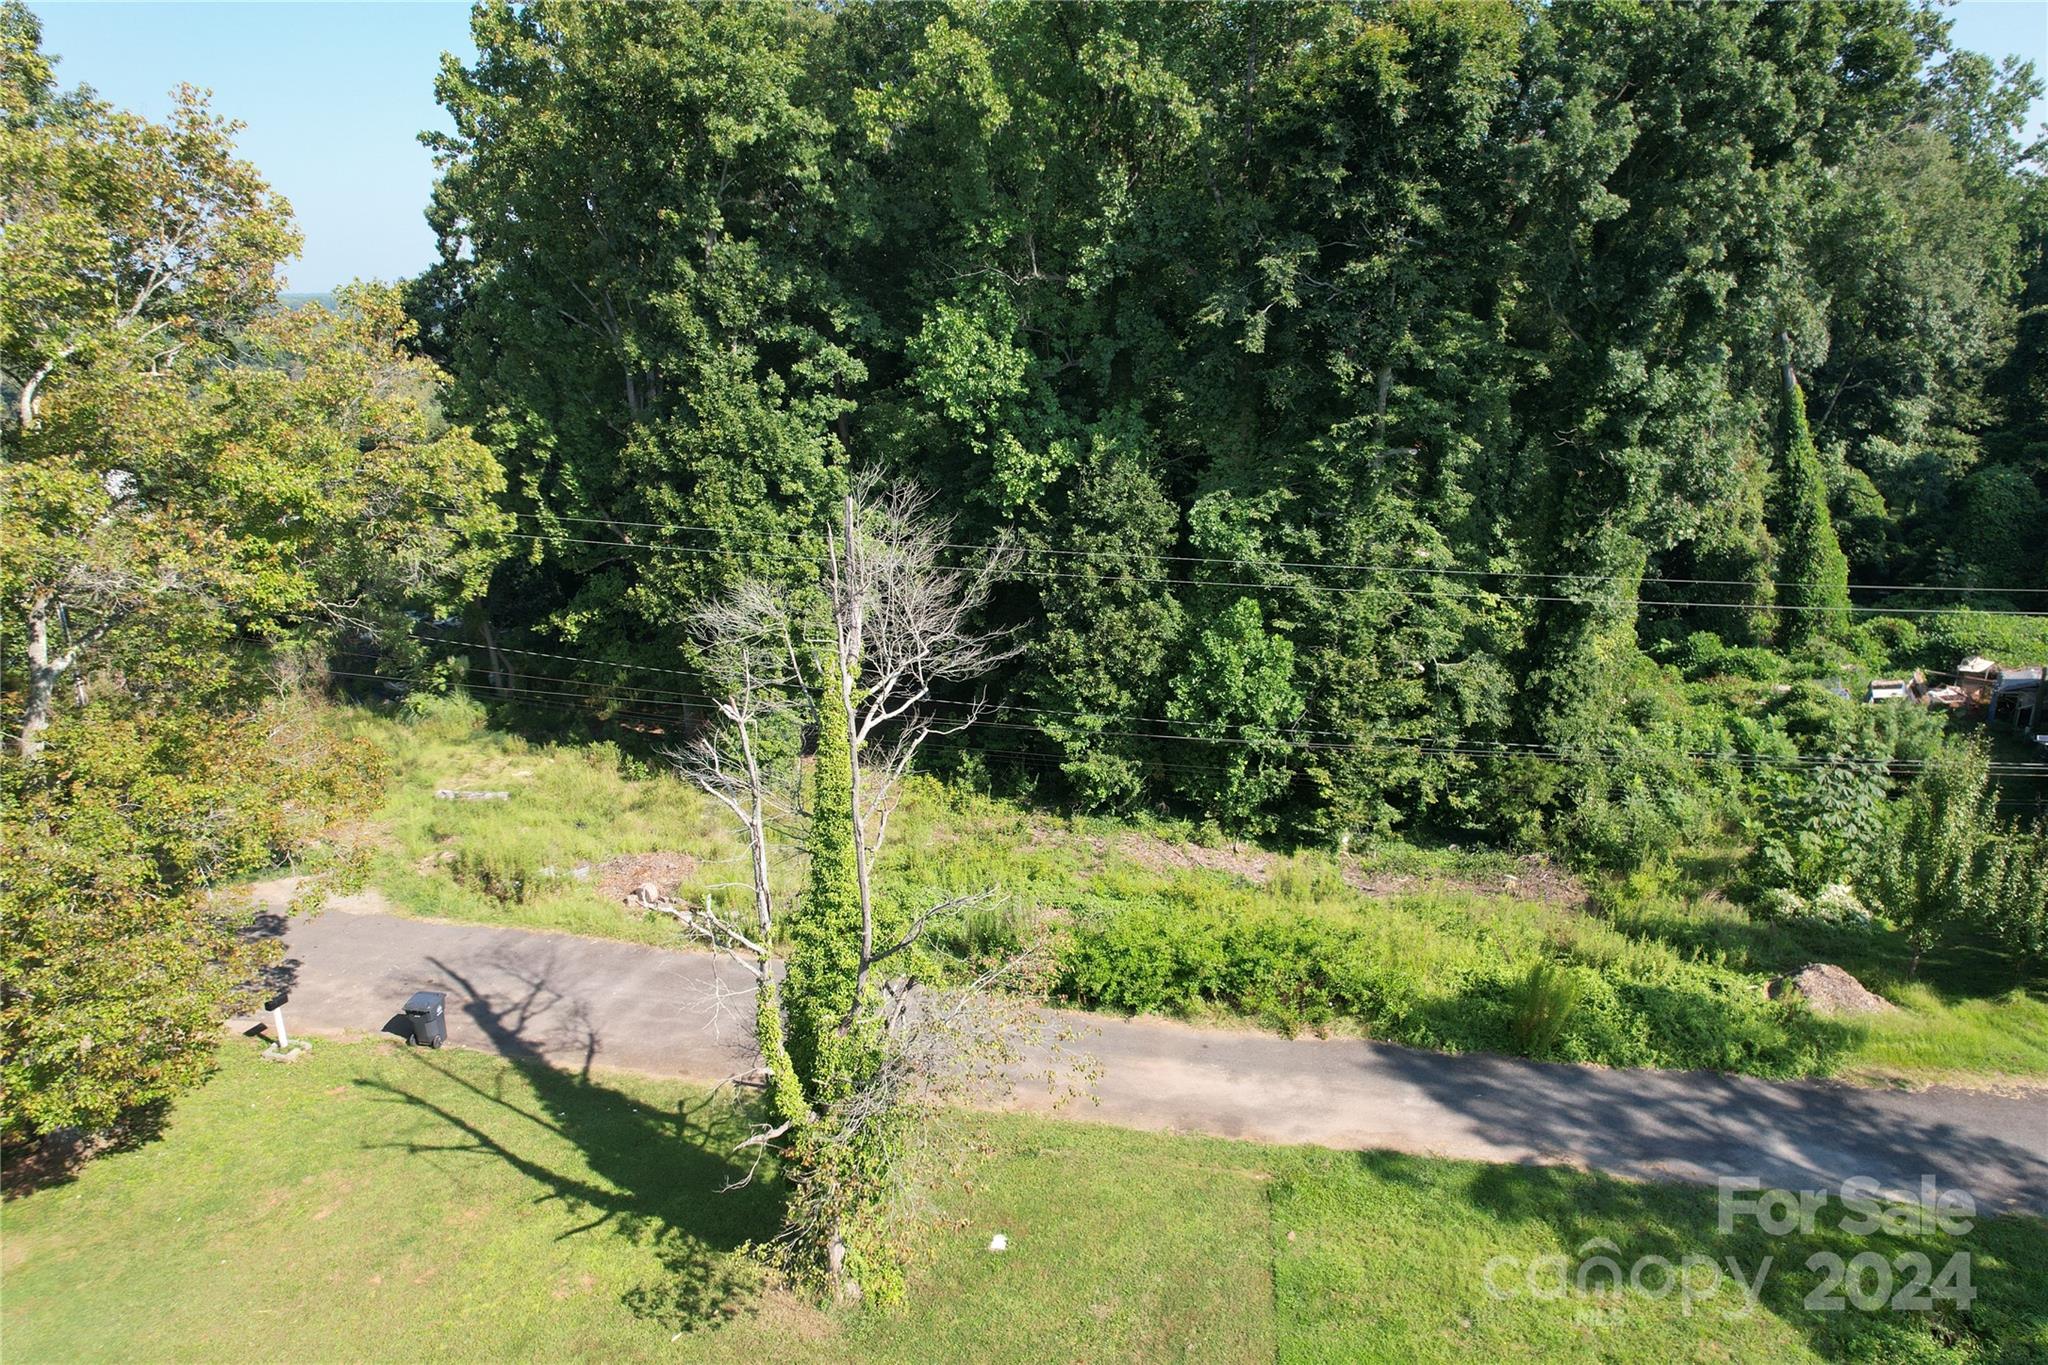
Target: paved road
(577, 1002)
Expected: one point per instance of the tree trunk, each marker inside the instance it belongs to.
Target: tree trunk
(43, 673)
(849, 665)
(501, 672)
(27, 400)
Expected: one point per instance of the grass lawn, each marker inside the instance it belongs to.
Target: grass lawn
(1439, 920)
(372, 1202)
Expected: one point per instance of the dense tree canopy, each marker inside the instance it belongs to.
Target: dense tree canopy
(1334, 364)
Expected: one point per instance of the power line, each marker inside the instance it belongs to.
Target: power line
(1424, 569)
(507, 691)
(1291, 742)
(1267, 585)
(1291, 735)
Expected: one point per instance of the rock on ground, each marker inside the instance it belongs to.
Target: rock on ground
(1827, 989)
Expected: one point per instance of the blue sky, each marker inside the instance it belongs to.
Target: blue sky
(335, 95)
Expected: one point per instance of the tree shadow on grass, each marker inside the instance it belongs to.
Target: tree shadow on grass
(660, 1178)
(1874, 954)
(1588, 1217)
(1659, 1127)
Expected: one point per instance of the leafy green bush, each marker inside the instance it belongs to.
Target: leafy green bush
(444, 715)
(1703, 655)
(2010, 639)
(1619, 1002)
(1632, 821)
(119, 961)
(1820, 827)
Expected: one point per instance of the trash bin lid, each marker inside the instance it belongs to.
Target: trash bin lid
(425, 1002)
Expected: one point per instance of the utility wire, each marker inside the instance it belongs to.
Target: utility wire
(1026, 575)
(1422, 746)
(1449, 570)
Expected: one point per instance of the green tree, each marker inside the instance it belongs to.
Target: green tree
(1646, 287)
(631, 294)
(1813, 573)
(129, 242)
(118, 960)
(308, 486)
(1107, 625)
(1236, 691)
(2014, 882)
(1823, 827)
(1928, 880)
(1472, 304)
(200, 492)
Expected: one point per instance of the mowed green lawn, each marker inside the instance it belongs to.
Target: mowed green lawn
(374, 1203)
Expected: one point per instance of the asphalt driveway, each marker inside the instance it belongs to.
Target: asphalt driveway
(577, 1002)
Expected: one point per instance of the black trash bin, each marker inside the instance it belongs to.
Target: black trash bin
(427, 1015)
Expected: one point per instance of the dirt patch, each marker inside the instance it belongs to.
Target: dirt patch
(1535, 878)
(620, 877)
(1827, 989)
(1161, 856)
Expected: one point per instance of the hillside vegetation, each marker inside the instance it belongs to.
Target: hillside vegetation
(1459, 950)
(1378, 395)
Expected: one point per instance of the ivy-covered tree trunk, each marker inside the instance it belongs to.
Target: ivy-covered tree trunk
(834, 1026)
(821, 993)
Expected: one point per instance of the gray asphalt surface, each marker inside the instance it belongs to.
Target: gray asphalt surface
(576, 1002)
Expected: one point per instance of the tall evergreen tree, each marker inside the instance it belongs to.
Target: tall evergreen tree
(1813, 574)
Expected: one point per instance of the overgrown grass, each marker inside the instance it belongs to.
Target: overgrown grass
(1433, 947)
(1962, 1017)
(1965, 1038)
(516, 861)
(371, 1202)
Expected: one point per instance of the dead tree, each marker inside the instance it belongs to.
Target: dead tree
(747, 763)
(902, 626)
(890, 623)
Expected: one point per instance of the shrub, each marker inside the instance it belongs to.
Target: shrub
(119, 961)
(1820, 828)
(1544, 1002)
(1633, 824)
(443, 715)
(1621, 1002)
(1703, 655)
(1779, 903)
(1838, 903)
(504, 874)
(2013, 639)
(1927, 879)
